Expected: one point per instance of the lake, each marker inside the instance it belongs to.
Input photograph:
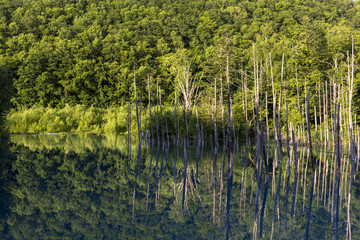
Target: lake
(93, 187)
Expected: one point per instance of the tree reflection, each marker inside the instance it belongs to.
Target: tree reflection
(58, 193)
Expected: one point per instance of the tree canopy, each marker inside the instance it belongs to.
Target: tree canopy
(85, 51)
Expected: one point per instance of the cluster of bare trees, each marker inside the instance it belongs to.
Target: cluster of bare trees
(333, 128)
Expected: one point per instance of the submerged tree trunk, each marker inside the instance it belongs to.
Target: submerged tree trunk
(277, 195)
(353, 150)
(185, 159)
(313, 168)
(162, 122)
(137, 168)
(198, 146)
(148, 185)
(229, 149)
(151, 124)
(224, 145)
(258, 157)
(289, 164)
(228, 195)
(176, 143)
(335, 211)
(296, 174)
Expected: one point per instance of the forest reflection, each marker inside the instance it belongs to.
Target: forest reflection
(88, 186)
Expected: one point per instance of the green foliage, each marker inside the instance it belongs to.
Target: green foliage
(113, 120)
(58, 54)
(84, 52)
(77, 119)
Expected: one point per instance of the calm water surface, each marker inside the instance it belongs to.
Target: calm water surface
(93, 187)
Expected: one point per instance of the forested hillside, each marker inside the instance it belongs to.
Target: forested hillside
(59, 52)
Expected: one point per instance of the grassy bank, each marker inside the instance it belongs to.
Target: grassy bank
(70, 119)
(82, 119)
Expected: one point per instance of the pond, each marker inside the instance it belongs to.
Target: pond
(93, 187)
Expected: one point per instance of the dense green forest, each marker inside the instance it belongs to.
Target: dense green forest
(87, 52)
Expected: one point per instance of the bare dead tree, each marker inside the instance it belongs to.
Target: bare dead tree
(188, 85)
(185, 159)
(149, 83)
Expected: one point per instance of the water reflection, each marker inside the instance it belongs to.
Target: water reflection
(87, 187)
(76, 143)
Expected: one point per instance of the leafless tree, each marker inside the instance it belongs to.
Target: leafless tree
(188, 85)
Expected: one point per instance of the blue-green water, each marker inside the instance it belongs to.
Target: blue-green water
(92, 187)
